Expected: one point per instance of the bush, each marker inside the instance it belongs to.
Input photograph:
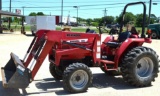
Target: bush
(94, 24)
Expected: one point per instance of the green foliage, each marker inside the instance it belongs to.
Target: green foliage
(98, 20)
(36, 14)
(152, 20)
(40, 14)
(94, 23)
(5, 19)
(108, 19)
(153, 16)
(17, 20)
(127, 18)
(88, 21)
(81, 19)
(32, 14)
(139, 20)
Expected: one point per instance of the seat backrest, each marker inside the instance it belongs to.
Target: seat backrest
(123, 36)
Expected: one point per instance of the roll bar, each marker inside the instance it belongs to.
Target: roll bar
(144, 16)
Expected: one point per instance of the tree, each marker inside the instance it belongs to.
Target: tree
(139, 20)
(17, 20)
(5, 19)
(36, 14)
(94, 23)
(98, 21)
(108, 20)
(88, 21)
(32, 14)
(81, 19)
(153, 16)
(40, 14)
(129, 16)
(153, 19)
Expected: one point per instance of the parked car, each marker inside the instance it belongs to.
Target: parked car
(24, 23)
(154, 30)
(60, 23)
(113, 30)
(108, 25)
(113, 25)
(117, 25)
(74, 24)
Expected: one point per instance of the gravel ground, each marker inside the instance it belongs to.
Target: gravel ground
(45, 85)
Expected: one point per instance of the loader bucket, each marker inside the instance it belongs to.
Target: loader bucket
(14, 74)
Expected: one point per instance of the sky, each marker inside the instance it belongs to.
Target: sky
(86, 8)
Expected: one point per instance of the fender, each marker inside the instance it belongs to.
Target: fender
(127, 45)
(109, 38)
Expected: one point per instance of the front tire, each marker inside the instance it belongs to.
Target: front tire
(77, 78)
(140, 66)
(55, 71)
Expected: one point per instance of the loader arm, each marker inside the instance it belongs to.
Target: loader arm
(46, 39)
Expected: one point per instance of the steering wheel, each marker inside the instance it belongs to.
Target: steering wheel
(99, 28)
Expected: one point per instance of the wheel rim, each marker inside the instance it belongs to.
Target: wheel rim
(154, 35)
(144, 67)
(79, 79)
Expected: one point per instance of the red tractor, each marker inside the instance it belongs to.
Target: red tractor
(71, 54)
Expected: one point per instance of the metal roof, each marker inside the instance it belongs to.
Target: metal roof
(9, 14)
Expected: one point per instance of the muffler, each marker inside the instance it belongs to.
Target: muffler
(14, 74)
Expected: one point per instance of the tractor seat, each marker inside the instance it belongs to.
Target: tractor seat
(122, 37)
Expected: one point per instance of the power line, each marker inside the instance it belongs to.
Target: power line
(66, 2)
(35, 2)
(82, 6)
(66, 6)
(70, 6)
(101, 8)
(69, 9)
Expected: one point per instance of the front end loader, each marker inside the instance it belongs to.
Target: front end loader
(59, 45)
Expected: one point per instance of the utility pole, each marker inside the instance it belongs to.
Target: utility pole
(77, 13)
(150, 5)
(9, 25)
(0, 17)
(77, 16)
(61, 13)
(23, 9)
(105, 14)
(68, 19)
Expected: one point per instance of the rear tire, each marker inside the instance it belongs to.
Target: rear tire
(140, 66)
(154, 35)
(77, 78)
(55, 71)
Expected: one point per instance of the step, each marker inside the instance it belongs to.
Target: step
(107, 62)
(112, 69)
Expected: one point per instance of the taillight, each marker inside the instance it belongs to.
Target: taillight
(149, 31)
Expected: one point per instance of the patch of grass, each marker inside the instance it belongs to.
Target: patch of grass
(73, 29)
(78, 29)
